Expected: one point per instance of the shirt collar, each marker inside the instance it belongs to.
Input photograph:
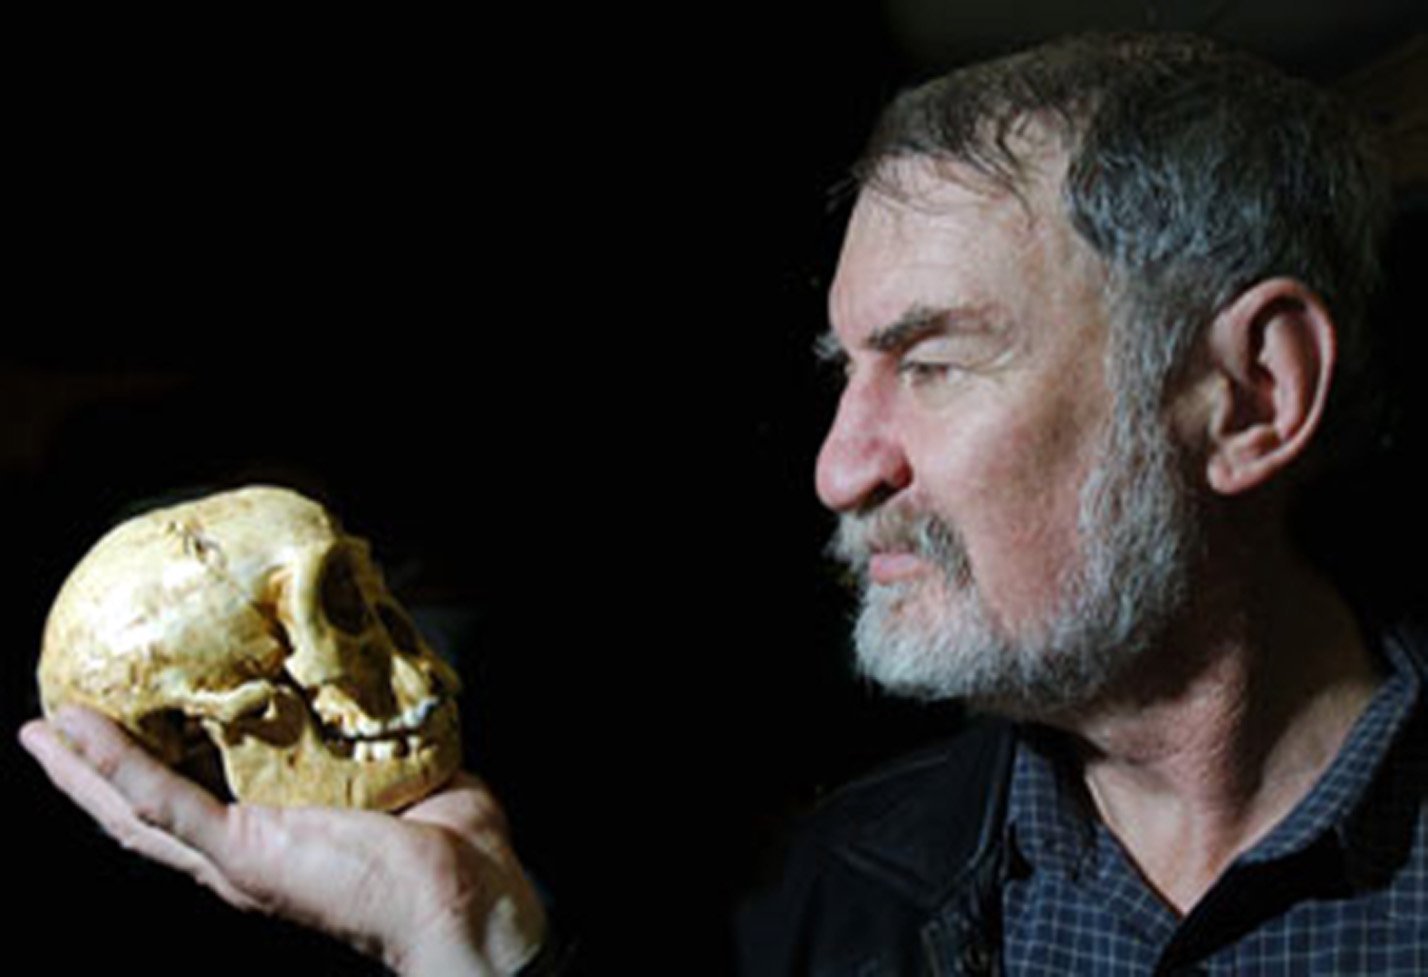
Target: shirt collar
(1339, 793)
(1051, 822)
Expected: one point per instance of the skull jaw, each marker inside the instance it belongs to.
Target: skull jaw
(285, 761)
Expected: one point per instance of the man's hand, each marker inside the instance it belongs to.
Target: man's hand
(437, 890)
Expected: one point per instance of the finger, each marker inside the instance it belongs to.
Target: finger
(84, 785)
(158, 797)
(465, 805)
(59, 756)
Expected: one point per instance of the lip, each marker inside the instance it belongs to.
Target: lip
(894, 566)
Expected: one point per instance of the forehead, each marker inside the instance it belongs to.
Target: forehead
(947, 238)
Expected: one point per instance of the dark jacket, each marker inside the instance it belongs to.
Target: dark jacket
(898, 874)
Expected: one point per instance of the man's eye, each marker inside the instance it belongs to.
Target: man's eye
(918, 373)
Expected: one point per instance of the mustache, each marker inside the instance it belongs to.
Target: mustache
(929, 536)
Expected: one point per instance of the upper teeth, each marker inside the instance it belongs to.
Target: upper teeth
(382, 749)
(406, 722)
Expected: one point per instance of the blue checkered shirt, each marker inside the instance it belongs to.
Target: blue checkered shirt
(1339, 887)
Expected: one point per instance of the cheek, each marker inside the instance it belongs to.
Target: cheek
(1013, 491)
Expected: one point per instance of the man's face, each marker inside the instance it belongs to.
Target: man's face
(974, 460)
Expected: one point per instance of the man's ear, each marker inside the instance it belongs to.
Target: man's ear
(1271, 355)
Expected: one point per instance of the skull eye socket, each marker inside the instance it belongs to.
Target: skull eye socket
(341, 598)
(404, 634)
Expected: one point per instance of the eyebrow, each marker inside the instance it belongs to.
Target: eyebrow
(918, 322)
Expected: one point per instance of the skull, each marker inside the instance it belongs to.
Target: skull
(249, 621)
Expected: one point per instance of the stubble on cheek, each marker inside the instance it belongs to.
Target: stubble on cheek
(1027, 507)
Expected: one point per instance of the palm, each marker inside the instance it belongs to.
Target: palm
(442, 870)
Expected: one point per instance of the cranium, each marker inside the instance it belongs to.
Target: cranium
(250, 621)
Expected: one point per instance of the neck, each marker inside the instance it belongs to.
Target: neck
(1189, 773)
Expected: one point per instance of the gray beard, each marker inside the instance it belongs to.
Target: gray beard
(1139, 530)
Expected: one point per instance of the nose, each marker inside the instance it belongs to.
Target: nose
(862, 462)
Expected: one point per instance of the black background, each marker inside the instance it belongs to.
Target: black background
(528, 301)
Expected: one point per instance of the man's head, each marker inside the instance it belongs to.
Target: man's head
(1063, 277)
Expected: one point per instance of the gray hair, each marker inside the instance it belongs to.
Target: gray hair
(1193, 171)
